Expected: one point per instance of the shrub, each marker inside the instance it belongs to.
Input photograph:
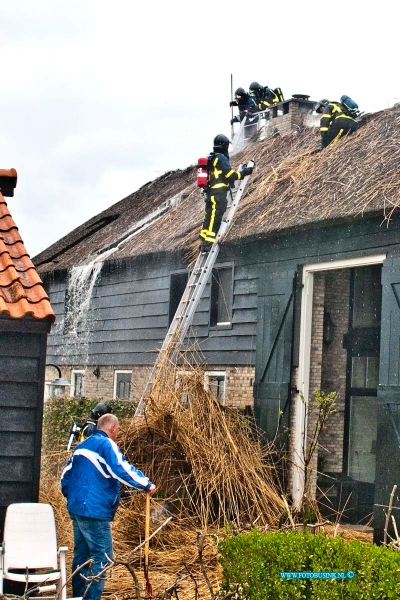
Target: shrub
(60, 414)
(255, 560)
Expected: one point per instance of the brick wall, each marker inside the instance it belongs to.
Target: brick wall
(299, 115)
(334, 367)
(328, 366)
(238, 382)
(316, 363)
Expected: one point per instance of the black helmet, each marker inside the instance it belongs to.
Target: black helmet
(240, 92)
(221, 141)
(99, 410)
(255, 88)
(321, 105)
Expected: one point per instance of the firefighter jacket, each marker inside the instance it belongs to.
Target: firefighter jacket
(332, 112)
(247, 107)
(91, 478)
(221, 174)
(266, 99)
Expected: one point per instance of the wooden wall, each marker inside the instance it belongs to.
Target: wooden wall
(22, 365)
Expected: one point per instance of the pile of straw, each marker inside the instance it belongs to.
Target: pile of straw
(212, 474)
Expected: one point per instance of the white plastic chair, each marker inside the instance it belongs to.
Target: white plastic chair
(29, 552)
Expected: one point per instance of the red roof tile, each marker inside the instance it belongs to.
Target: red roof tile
(21, 290)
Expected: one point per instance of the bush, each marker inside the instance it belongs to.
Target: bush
(255, 560)
(60, 414)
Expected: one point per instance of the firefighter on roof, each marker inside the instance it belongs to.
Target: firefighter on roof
(220, 178)
(265, 97)
(246, 105)
(336, 121)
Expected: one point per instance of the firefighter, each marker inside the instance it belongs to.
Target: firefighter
(220, 178)
(246, 104)
(91, 424)
(336, 121)
(264, 96)
(80, 432)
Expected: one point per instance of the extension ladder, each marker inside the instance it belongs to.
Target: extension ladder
(198, 279)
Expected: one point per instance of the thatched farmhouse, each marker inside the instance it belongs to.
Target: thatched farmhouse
(25, 320)
(305, 296)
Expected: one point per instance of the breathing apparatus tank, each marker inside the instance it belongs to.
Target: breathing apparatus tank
(202, 173)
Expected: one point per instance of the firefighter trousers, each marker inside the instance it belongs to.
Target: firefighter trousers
(216, 203)
(339, 128)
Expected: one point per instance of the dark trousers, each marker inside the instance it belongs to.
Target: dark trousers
(216, 203)
(338, 129)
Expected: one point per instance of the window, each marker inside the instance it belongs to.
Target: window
(221, 296)
(215, 382)
(177, 287)
(185, 382)
(48, 390)
(362, 342)
(367, 297)
(364, 372)
(78, 383)
(122, 384)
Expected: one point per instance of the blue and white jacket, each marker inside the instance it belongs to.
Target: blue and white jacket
(91, 478)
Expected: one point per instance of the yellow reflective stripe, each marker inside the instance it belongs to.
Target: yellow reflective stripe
(229, 173)
(345, 117)
(214, 208)
(337, 138)
(326, 116)
(324, 128)
(215, 161)
(219, 185)
(206, 233)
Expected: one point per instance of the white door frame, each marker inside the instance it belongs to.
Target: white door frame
(303, 381)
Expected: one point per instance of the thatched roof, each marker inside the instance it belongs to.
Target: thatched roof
(294, 185)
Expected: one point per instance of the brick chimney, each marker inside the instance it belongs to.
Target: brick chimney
(295, 113)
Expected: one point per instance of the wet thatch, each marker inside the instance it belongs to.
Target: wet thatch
(294, 185)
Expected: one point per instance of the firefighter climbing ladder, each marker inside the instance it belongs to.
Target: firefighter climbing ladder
(198, 279)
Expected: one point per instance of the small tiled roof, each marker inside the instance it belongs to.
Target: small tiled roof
(21, 290)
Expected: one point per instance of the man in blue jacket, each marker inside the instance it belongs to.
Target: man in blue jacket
(91, 483)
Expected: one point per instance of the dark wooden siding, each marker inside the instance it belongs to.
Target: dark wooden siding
(129, 318)
(22, 365)
(130, 305)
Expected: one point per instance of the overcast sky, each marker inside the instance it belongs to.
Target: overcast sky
(97, 97)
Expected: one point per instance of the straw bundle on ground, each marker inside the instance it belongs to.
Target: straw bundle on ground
(211, 472)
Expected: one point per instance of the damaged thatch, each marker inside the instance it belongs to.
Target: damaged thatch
(294, 185)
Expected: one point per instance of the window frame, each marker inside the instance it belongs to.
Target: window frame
(214, 323)
(175, 275)
(118, 372)
(220, 374)
(75, 372)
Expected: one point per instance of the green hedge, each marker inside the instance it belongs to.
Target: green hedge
(255, 561)
(61, 413)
